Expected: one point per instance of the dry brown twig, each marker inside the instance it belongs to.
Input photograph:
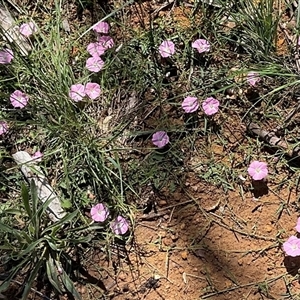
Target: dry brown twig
(273, 140)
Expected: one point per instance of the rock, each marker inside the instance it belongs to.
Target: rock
(162, 234)
(268, 228)
(174, 237)
(167, 242)
(44, 191)
(122, 276)
(162, 203)
(182, 226)
(184, 255)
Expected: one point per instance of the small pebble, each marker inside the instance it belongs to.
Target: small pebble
(174, 237)
(167, 242)
(162, 203)
(162, 234)
(122, 276)
(184, 255)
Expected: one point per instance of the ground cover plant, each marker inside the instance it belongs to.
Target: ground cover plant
(169, 133)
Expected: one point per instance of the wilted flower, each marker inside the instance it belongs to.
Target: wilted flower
(101, 27)
(99, 212)
(190, 104)
(92, 90)
(258, 170)
(160, 139)
(201, 45)
(298, 225)
(292, 246)
(3, 127)
(18, 99)
(119, 225)
(106, 42)
(37, 156)
(253, 78)
(27, 29)
(6, 56)
(95, 49)
(210, 106)
(166, 48)
(77, 92)
(94, 64)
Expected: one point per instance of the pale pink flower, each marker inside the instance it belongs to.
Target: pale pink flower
(201, 45)
(160, 139)
(94, 64)
(101, 27)
(253, 78)
(298, 225)
(166, 48)
(95, 49)
(37, 156)
(120, 225)
(6, 56)
(77, 92)
(292, 246)
(28, 29)
(99, 212)
(18, 99)
(258, 170)
(106, 41)
(3, 127)
(92, 90)
(190, 104)
(210, 106)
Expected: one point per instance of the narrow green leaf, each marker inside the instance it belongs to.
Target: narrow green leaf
(67, 218)
(34, 198)
(6, 228)
(30, 280)
(31, 247)
(69, 285)
(25, 199)
(52, 274)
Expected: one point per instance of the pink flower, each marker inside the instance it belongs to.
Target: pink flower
(166, 48)
(106, 42)
(77, 92)
(94, 64)
(92, 90)
(119, 225)
(18, 99)
(160, 139)
(3, 127)
(37, 156)
(190, 104)
(101, 27)
(201, 45)
(95, 49)
(6, 56)
(292, 246)
(258, 170)
(27, 29)
(210, 106)
(99, 212)
(298, 225)
(253, 78)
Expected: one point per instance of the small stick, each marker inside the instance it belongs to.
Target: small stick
(273, 140)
